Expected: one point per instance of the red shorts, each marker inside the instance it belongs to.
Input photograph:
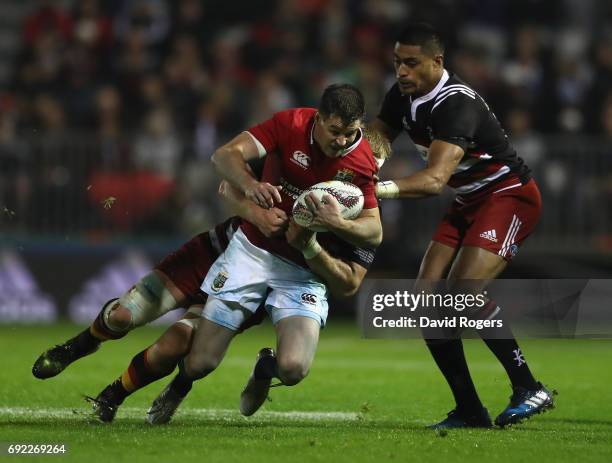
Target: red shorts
(188, 265)
(499, 222)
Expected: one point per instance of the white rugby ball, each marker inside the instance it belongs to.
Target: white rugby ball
(349, 196)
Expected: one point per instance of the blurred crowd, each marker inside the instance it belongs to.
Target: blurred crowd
(114, 107)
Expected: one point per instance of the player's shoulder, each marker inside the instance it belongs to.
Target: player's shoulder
(363, 156)
(297, 118)
(455, 94)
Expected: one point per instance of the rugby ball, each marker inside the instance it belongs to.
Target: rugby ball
(348, 195)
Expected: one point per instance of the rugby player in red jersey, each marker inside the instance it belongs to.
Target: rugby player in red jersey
(302, 147)
(497, 206)
(182, 273)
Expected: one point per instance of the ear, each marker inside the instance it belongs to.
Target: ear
(439, 60)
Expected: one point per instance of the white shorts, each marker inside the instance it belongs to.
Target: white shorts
(244, 276)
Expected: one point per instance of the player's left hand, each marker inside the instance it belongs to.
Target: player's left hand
(326, 212)
(297, 236)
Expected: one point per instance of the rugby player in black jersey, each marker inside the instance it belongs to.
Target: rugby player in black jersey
(497, 206)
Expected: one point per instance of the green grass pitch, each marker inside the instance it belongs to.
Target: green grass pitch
(364, 400)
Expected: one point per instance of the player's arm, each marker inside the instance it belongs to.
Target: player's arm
(365, 231)
(230, 160)
(271, 222)
(342, 277)
(443, 158)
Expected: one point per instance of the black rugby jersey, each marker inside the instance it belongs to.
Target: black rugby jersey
(453, 112)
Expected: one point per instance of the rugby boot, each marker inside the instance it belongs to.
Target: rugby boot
(164, 406)
(457, 419)
(105, 405)
(524, 404)
(55, 360)
(256, 390)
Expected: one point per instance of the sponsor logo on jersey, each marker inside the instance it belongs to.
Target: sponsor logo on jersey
(345, 175)
(309, 298)
(219, 281)
(301, 159)
(490, 235)
(290, 190)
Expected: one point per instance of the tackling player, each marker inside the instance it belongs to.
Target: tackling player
(185, 269)
(497, 206)
(301, 147)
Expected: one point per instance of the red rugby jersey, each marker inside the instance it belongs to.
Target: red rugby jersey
(294, 161)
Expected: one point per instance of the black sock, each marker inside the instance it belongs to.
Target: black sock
(182, 383)
(266, 367)
(450, 358)
(119, 392)
(85, 341)
(501, 341)
(510, 356)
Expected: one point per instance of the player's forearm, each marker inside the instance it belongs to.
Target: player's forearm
(231, 166)
(418, 185)
(339, 276)
(236, 202)
(363, 232)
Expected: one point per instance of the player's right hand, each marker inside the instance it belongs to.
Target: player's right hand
(271, 222)
(263, 194)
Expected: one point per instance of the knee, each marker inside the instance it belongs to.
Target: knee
(199, 366)
(291, 371)
(119, 318)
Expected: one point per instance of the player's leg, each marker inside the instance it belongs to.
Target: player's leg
(155, 362)
(150, 298)
(220, 323)
(296, 343)
(511, 214)
(448, 353)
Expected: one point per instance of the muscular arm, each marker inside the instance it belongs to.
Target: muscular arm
(443, 158)
(230, 162)
(365, 231)
(343, 278)
(271, 222)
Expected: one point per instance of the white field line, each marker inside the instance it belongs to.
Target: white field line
(205, 413)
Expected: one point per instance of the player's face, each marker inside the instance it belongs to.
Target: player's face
(332, 136)
(417, 73)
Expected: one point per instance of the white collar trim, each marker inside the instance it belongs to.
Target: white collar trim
(425, 98)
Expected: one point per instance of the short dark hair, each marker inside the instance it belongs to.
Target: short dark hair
(424, 35)
(344, 101)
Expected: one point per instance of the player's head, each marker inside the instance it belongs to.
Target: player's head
(381, 148)
(418, 58)
(338, 121)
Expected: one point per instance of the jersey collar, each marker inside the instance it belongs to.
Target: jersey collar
(425, 98)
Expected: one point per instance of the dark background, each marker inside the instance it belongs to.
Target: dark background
(110, 110)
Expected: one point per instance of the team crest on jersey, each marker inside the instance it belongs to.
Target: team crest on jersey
(219, 281)
(301, 159)
(345, 175)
